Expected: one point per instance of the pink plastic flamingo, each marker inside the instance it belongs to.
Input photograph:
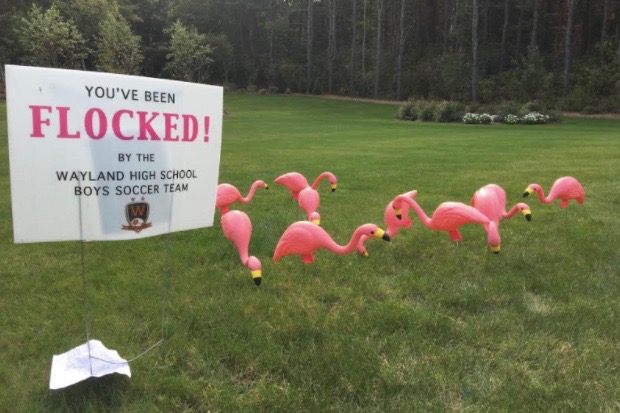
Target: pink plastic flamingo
(309, 200)
(491, 201)
(303, 238)
(565, 188)
(450, 216)
(392, 222)
(228, 194)
(296, 182)
(237, 227)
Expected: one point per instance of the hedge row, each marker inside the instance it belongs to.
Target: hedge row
(451, 111)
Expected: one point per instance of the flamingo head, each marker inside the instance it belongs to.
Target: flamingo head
(371, 230)
(493, 237)
(525, 210)
(531, 189)
(315, 218)
(255, 269)
(333, 181)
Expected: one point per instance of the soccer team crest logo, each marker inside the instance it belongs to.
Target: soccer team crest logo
(137, 215)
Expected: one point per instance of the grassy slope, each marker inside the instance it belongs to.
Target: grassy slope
(422, 324)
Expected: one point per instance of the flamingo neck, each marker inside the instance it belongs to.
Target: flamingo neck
(510, 213)
(244, 256)
(251, 193)
(318, 180)
(418, 210)
(350, 246)
(542, 197)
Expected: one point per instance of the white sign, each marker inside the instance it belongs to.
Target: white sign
(99, 156)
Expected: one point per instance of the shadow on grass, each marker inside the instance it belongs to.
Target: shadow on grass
(94, 394)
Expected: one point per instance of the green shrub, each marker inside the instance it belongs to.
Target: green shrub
(404, 112)
(449, 111)
(426, 111)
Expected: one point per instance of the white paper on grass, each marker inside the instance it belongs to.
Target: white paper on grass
(91, 154)
(81, 363)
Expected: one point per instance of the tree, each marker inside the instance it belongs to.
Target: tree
(331, 44)
(475, 87)
(379, 40)
(503, 53)
(309, 34)
(190, 55)
(353, 42)
(118, 49)
(48, 40)
(568, 40)
(401, 51)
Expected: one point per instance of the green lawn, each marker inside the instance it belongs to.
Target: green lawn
(421, 325)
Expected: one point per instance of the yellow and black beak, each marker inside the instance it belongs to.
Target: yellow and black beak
(495, 249)
(528, 191)
(316, 221)
(334, 186)
(365, 254)
(399, 213)
(382, 234)
(257, 276)
(267, 187)
(527, 214)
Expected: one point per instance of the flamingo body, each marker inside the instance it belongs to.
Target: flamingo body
(309, 200)
(304, 238)
(228, 194)
(450, 216)
(491, 201)
(564, 189)
(237, 228)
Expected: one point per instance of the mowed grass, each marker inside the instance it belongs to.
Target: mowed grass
(421, 325)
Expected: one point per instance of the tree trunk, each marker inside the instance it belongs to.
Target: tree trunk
(604, 30)
(331, 45)
(503, 52)
(474, 52)
(446, 25)
(568, 47)
(533, 42)
(353, 41)
(401, 52)
(364, 43)
(379, 40)
(271, 12)
(519, 27)
(309, 48)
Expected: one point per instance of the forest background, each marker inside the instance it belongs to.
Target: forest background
(562, 53)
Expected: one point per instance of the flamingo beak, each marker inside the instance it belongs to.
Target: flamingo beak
(334, 186)
(495, 249)
(267, 187)
(257, 276)
(399, 213)
(528, 191)
(382, 234)
(527, 214)
(365, 254)
(316, 221)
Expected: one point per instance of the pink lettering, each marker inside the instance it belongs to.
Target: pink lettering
(102, 121)
(116, 124)
(37, 121)
(170, 125)
(145, 126)
(63, 112)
